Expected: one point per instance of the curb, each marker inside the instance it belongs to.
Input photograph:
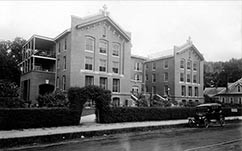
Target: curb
(58, 139)
(17, 142)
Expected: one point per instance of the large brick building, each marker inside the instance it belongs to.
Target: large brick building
(94, 51)
(97, 51)
(176, 74)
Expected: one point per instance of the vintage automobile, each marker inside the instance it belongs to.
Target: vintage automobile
(206, 114)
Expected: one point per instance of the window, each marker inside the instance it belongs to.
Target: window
(103, 65)
(64, 82)
(189, 91)
(104, 31)
(147, 89)
(116, 102)
(166, 64)
(89, 80)
(57, 82)
(223, 100)
(153, 65)
(138, 77)
(188, 78)
(196, 91)
(166, 76)
(58, 63)
(182, 63)
(64, 66)
(89, 44)
(183, 90)
(65, 44)
(88, 63)
(238, 88)
(137, 66)
(166, 90)
(195, 66)
(182, 77)
(116, 49)
(103, 83)
(153, 78)
(231, 100)
(153, 89)
(103, 46)
(116, 85)
(194, 78)
(146, 77)
(115, 67)
(59, 49)
(146, 66)
(240, 101)
(189, 63)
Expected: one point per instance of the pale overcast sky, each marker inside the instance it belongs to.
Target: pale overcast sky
(215, 27)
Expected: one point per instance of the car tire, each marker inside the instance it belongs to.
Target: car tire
(222, 121)
(190, 123)
(206, 123)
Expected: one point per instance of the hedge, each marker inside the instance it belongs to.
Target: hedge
(121, 114)
(19, 118)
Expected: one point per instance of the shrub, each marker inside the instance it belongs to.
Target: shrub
(11, 102)
(78, 97)
(56, 99)
(8, 89)
(133, 114)
(33, 118)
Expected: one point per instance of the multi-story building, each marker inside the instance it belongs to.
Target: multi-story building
(176, 74)
(137, 74)
(37, 67)
(94, 51)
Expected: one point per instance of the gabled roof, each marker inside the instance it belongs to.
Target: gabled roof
(231, 87)
(211, 92)
(101, 17)
(139, 57)
(170, 52)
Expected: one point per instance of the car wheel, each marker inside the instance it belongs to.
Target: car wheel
(206, 123)
(190, 123)
(222, 121)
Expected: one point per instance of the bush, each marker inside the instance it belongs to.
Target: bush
(11, 102)
(78, 97)
(33, 118)
(56, 99)
(8, 89)
(132, 114)
(121, 114)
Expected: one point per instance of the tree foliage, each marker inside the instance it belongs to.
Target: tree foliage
(10, 57)
(218, 74)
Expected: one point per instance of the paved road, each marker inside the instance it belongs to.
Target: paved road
(175, 139)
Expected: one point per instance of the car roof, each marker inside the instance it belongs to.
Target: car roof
(209, 104)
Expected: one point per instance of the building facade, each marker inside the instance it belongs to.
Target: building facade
(232, 94)
(94, 51)
(176, 74)
(137, 74)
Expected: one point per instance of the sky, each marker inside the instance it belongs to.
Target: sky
(214, 26)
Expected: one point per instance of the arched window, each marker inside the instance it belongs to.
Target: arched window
(89, 43)
(116, 49)
(103, 46)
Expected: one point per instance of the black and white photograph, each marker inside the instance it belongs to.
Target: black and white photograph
(123, 75)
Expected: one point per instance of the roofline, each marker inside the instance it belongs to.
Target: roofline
(139, 57)
(193, 46)
(39, 36)
(160, 58)
(110, 20)
(62, 34)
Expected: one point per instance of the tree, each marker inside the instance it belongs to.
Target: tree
(10, 56)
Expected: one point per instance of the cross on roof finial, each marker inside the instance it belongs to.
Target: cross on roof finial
(104, 11)
(105, 8)
(189, 39)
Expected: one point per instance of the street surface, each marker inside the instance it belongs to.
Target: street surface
(215, 138)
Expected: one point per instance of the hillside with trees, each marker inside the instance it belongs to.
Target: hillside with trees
(218, 74)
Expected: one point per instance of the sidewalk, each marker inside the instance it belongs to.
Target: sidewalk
(87, 125)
